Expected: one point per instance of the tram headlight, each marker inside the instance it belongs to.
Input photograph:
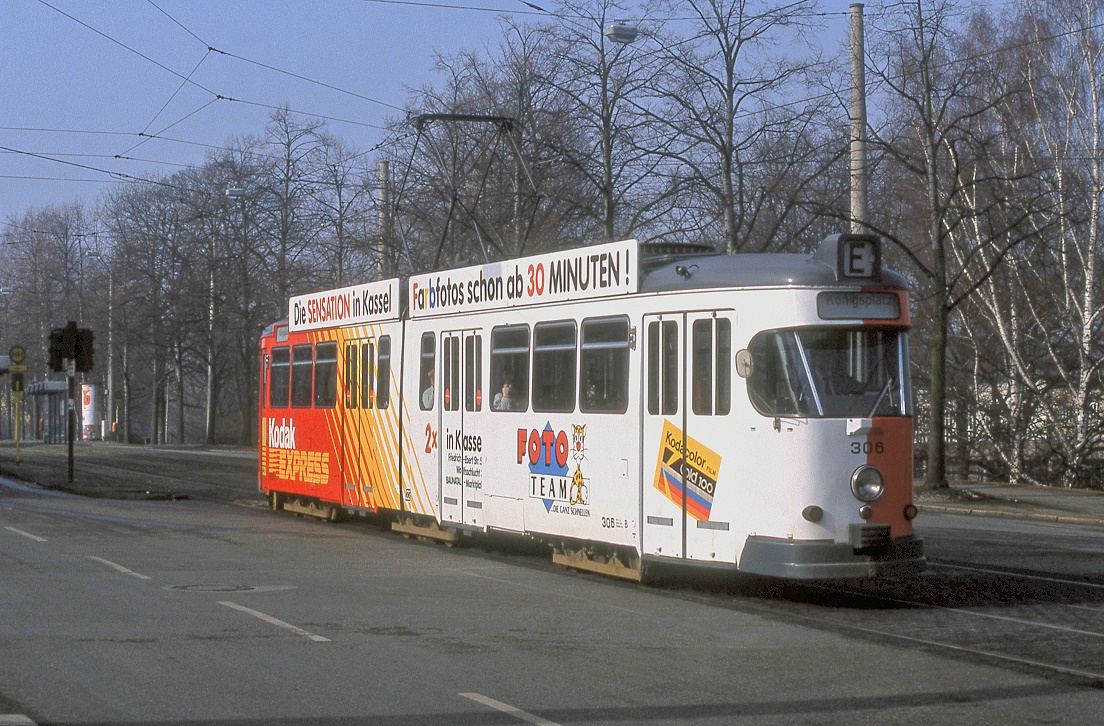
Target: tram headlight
(867, 483)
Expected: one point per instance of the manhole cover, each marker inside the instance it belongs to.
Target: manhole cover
(211, 588)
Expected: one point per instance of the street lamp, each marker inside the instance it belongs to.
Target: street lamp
(621, 32)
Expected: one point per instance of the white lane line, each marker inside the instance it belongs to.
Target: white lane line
(28, 535)
(15, 719)
(120, 568)
(507, 708)
(274, 621)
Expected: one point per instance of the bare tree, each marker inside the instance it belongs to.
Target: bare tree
(342, 194)
(936, 143)
(604, 83)
(717, 105)
(1047, 311)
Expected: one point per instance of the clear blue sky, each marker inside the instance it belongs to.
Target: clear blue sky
(56, 73)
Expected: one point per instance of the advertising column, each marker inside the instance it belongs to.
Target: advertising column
(90, 412)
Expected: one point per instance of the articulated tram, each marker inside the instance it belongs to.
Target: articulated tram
(625, 403)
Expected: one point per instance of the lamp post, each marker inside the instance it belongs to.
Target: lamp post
(622, 34)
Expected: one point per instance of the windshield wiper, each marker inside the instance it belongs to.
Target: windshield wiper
(885, 390)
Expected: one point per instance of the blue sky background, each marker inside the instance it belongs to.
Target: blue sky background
(57, 74)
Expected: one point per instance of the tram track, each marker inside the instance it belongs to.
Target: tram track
(1060, 632)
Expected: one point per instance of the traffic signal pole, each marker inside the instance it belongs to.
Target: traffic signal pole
(71, 350)
(71, 414)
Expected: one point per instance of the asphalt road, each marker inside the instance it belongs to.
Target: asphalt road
(204, 612)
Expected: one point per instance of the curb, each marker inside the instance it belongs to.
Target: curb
(1006, 514)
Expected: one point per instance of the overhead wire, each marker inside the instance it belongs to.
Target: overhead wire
(186, 79)
(127, 47)
(175, 93)
(147, 137)
(179, 24)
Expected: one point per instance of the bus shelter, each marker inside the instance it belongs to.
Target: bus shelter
(49, 403)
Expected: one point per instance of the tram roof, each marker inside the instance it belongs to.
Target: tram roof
(668, 268)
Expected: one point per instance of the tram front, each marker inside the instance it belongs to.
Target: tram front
(834, 459)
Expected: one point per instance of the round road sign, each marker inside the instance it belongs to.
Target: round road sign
(17, 354)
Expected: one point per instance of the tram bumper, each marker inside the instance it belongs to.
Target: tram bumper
(828, 560)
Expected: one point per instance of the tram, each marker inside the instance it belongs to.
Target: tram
(625, 403)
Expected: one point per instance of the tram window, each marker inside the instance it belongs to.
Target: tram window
(670, 367)
(711, 379)
(450, 353)
(829, 372)
(510, 365)
(701, 380)
(302, 371)
(473, 367)
(351, 377)
(367, 375)
(779, 384)
(604, 384)
(663, 368)
(653, 368)
(724, 367)
(425, 371)
(325, 375)
(554, 366)
(279, 377)
(383, 373)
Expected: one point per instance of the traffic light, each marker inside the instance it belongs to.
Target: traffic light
(73, 343)
(83, 349)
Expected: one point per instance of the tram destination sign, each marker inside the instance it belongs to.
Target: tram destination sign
(582, 273)
(371, 302)
(858, 305)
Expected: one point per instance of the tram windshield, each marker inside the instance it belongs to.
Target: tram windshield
(830, 373)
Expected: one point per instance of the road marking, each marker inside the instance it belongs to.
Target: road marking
(15, 719)
(274, 621)
(507, 708)
(118, 567)
(28, 535)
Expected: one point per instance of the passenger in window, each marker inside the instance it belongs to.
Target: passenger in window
(427, 390)
(502, 400)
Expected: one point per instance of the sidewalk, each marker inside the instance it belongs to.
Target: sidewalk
(996, 499)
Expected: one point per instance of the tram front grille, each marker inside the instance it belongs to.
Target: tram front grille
(870, 536)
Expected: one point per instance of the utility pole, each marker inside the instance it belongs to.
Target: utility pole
(859, 215)
(385, 257)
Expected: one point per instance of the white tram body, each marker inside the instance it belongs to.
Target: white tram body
(743, 411)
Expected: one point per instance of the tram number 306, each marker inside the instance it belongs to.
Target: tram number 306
(867, 447)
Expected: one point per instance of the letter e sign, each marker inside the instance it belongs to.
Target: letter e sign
(858, 257)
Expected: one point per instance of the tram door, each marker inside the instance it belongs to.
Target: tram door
(366, 393)
(680, 401)
(461, 399)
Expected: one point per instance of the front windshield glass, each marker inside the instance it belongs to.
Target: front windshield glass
(830, 373)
